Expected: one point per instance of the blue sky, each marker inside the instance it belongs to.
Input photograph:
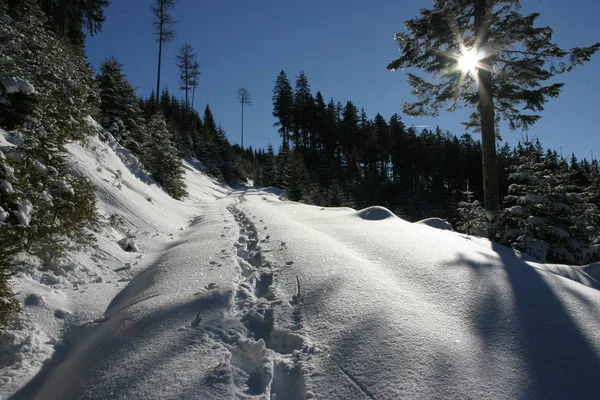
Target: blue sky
(343, 46)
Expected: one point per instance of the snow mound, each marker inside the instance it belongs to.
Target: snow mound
(375, 213)
(437, 223)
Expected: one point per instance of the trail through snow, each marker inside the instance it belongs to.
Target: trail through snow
(238, 294)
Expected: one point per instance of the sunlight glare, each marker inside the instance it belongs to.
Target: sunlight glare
(468, 61)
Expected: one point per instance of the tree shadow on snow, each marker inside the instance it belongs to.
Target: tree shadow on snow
(560, 361)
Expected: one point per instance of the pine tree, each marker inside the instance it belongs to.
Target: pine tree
(163, 29)
(509, 57)
(302, 109)
(298, 187)
(186, 62)
(471, 215)
(284, 161)
(542, 216)
(283, 106)
(194, 80)
(163, 161)
(71, 19)
(244, 99)
(121, 114)
(269, 171)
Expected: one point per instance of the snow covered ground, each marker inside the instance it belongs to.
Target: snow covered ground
(234, 293)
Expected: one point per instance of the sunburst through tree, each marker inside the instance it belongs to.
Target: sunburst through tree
(483, 55)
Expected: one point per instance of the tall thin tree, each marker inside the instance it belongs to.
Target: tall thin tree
(488, 57)
(194, 79)
(245, 99)
(185, 60)
(163, 29)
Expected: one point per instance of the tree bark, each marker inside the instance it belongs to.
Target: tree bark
(491, 198)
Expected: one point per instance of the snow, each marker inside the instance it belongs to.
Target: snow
(4, 139)
(437, 223)
(235, 293)
(15, 85)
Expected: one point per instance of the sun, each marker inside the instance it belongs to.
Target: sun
(468, 61)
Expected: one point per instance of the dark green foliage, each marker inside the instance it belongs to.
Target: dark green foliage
(120, 111)
(9, 305)
(298, 188)
(71, 19)
(163, 160)
(351, 159)
(283, 105)
(269, 169)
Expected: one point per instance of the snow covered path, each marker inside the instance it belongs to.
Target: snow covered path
(259, 298)
(268, 299)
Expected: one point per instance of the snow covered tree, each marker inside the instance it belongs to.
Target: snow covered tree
(47, 202)
(485, 55)
(163, 160)
(471, 215)
(164, 29)
(121, 114)
(47, 98)
(542, 218)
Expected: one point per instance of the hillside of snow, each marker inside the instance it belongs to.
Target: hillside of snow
(236, 293)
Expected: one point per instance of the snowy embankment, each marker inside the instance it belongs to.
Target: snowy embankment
(237, 294)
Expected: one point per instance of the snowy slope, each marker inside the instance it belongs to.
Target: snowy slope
(237, 294)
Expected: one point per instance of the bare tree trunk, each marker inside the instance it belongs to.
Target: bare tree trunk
(491, 196)
(187, 88)
(158, 76)
(160, 40)
(242, 125)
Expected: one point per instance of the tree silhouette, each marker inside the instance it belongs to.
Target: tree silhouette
(245, 99)
(163, 29)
